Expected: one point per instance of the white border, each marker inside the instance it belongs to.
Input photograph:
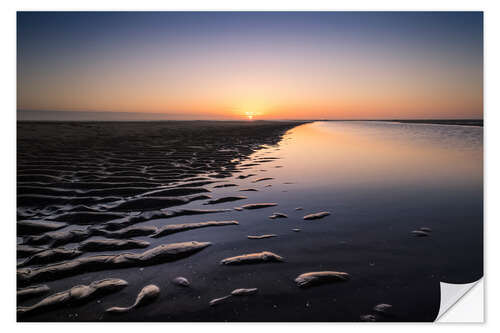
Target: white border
(8, 144)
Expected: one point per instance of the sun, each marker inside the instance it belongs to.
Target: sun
(251, 110)
(250, 114)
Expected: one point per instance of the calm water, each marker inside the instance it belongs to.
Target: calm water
(379, 180)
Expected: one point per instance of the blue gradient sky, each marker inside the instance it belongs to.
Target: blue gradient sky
(268, 65)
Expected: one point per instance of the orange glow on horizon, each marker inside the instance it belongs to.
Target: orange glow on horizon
(265, 89)
(234, 99)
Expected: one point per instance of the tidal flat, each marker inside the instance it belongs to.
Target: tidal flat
(148, 204)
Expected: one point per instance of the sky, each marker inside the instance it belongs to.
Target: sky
(259, 65)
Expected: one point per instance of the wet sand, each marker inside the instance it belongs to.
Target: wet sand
(85, 189)
(140, 187)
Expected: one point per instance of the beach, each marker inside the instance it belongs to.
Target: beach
(240, 211)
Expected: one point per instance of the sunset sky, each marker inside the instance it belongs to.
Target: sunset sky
(265, 65)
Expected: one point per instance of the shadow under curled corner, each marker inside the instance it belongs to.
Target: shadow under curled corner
(461, 303)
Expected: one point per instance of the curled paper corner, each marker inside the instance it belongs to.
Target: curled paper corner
(461, 302)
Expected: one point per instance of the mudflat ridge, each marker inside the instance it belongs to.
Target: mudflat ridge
(63, 167)
(85, 188)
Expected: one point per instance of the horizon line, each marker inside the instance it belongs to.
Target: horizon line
(193, 117)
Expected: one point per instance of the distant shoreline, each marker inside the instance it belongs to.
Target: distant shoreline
(460, 122)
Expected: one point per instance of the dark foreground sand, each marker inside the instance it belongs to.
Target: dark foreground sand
(85, 188)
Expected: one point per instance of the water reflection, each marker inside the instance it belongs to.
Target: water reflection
(380, 180)
(369, 154)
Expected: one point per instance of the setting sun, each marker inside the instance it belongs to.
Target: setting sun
(249, 115)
